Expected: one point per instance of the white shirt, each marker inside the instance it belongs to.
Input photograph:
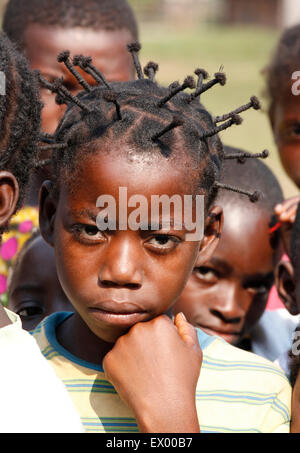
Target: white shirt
(32, 398)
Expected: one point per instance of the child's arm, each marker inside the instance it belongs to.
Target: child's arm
(286, 214)
(155, 368)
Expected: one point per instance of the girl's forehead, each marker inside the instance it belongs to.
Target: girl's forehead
(106, 172)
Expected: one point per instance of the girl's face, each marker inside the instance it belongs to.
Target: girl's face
(116, 278)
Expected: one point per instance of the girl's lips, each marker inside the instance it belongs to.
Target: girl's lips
(124, 319)
(118, 313)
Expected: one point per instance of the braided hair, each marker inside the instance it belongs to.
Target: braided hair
(20, 111)
(145, 116)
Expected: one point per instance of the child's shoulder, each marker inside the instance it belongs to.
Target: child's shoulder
(241, 391)
(241, 365)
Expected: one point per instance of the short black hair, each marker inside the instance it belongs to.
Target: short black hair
(96, 14)
(255, 174)
(285, 60)
(20, 111)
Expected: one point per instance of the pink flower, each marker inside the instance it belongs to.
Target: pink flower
(9, 249)
(3, 284)
(26, 226)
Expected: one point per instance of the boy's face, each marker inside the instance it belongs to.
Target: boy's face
(286, 128)
(115, 279)
(227, 295)
(35, 291)
(107, 49)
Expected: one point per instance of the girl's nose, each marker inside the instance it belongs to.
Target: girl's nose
(122, 264)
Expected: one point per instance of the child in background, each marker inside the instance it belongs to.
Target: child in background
(34, 290)
(284, 116)
(99, 28)
(288, 278)
(284, 105)
(26, 380)
(132, 368)
(228, 295)
(41, 29)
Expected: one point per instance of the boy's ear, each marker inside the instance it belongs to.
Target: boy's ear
(212, 234)
(9, 196)
(285, 284)
(48, 205)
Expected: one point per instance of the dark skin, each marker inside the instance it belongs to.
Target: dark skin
(9, 195)
(122, 282)
(285, 122)
(44, 43)
(35, 291)
(228, 294)
(288, 287)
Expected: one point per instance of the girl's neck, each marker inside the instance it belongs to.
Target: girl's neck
(75, 336)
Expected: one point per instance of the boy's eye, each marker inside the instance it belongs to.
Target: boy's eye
(206, 274)
(162, 243)
(260, 287)
(292, 131)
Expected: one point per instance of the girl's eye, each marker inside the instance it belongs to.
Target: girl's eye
(88, 233)
(162, 243)
(206, 274)
(29, 311)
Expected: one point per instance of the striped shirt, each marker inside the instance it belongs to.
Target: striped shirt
(237, 391)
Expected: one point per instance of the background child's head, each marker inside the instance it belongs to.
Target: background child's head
(151, 141)
(227, 295)
(19, 129)
(100, 28)
(34, 289)
(284, 108)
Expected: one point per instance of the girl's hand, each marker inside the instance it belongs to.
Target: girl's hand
(155, 368)
(286, 215)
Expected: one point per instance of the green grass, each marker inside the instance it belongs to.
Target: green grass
(243, 52)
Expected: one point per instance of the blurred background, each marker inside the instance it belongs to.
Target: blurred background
(239, 35)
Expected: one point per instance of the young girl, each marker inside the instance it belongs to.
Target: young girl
(125, 363)
(22, 365)
(41, 28)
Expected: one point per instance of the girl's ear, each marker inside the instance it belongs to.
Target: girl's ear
(285, 284)
(47, 212)
(212, 233)
(9, 196)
